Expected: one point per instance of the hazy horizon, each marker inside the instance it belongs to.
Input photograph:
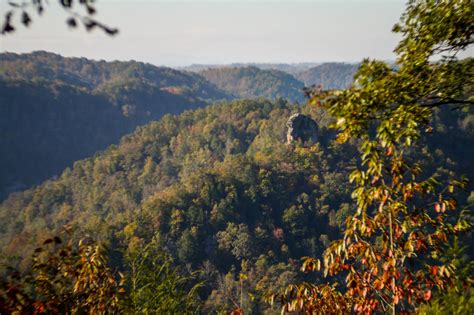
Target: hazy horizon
(183, 33)
(231, 63)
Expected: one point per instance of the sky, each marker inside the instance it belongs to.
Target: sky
(184, 32)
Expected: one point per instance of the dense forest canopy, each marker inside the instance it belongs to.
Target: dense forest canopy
(218, 189)
(249, 82)
(102, 75)
(330, 75)
(57, 110)
(214, 209)
(212, 185)
(401, 248)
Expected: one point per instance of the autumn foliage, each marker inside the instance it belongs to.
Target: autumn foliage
(390, 256)
(65, 278)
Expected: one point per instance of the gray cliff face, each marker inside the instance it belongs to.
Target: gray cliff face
(301, 128)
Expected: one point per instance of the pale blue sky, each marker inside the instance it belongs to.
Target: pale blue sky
(176, 33)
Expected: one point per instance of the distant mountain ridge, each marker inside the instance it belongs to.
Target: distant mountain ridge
(291, 68)
(57, 110)
(240, 79)
(97, 75)
(251, 82)
(331, 75)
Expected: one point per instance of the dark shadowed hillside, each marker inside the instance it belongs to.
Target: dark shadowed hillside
(57, 110)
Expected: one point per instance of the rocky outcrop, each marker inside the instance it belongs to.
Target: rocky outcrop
(301, 128)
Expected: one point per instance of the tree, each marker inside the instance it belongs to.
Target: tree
(236, 239)
(156, 286)
(187, 250)
(79, 12)
(405, 218)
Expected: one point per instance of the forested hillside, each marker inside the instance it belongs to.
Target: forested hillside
(277, 80)
(215, 209)
(220, 191)
(252, 82)
(330, 75)
(218, 186)
(57, 110)
(104, 76)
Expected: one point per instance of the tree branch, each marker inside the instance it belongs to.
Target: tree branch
(449, 101)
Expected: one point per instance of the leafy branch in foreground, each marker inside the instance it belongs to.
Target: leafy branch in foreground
(79, 12)
(68, 278)
(392, 248)
(64, 279)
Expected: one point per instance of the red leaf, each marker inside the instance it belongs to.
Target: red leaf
(427, 295)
